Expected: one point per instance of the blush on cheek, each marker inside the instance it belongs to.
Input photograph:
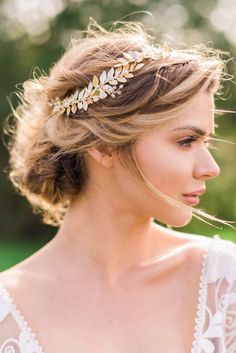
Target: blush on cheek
(163, 165)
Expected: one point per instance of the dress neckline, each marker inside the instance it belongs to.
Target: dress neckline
(23, 324)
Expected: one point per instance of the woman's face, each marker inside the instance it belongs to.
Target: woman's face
(176, 160)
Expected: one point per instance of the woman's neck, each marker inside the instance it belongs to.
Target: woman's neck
(107, 238)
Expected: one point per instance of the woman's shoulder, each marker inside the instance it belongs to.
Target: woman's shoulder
(31, 271)
(217, 255)
(15, 281)
(199, 246)
(200, 241)
(215, 245)
(22, 282)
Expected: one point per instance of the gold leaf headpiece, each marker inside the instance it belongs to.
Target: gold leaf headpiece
(109, 83)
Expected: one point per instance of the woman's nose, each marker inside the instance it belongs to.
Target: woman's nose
(206, 168)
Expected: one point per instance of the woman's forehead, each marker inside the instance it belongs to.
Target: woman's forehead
(197, 114)
(200, 124)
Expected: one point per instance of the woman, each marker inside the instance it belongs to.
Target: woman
(116, 137)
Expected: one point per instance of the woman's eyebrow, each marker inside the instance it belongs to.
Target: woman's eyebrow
(197, 130)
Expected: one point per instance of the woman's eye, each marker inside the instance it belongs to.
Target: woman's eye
(187, 142)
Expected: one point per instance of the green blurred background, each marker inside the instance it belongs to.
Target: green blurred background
(35, 33)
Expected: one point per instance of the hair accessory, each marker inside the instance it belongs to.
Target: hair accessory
(109, 83)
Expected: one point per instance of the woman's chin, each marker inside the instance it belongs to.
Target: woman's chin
(182, 221)
(179, 219)
(181, 224)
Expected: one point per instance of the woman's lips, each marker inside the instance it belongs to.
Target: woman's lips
(192, 199)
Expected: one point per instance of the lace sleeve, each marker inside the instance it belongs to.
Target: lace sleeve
(10, 340)
(219, 330)
(229, 303)
(15, 337)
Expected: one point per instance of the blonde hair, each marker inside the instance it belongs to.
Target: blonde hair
(47, 151)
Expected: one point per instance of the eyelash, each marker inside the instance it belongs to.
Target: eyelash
(188, 142)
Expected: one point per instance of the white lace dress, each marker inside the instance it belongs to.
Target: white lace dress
(215, 322)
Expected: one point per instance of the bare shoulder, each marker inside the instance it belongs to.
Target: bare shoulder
(196, 243)
(22, 282)
(199, 244)
(194, 250)
(193, 246)
(30, 272)
(181, 238)
(184, 251)
(15, 281)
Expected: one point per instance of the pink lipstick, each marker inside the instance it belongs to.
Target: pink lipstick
(192, 198)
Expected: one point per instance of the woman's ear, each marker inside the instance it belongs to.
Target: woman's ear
(105, 158)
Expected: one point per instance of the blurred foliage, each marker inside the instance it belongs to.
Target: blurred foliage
(32, 34)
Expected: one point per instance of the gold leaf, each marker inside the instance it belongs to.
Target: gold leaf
(128, 56)
(66, 102)
(132, 66)
(81, 94)
(80, 105)
(85, 105)
(95, 81)
(102, 94)
(124, 72)
(118, 71)
(110, 73)
(68, 110)
(128, 75)
(107, 88)
(75, 95)
(122, 60)
(86, 93)
(90, 87)
(96, 93)
(100, 86)
(121, 79)
(73, 108)
(126, 67)
(139, 59)
(103, 77)
(139, 66)
(113, 82)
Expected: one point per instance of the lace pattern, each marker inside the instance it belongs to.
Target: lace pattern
(25, 341)
(216, 330)
(200, 307)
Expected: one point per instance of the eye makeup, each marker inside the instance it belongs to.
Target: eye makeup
(188, 141)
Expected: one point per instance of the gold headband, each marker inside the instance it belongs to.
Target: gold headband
(108, 83)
